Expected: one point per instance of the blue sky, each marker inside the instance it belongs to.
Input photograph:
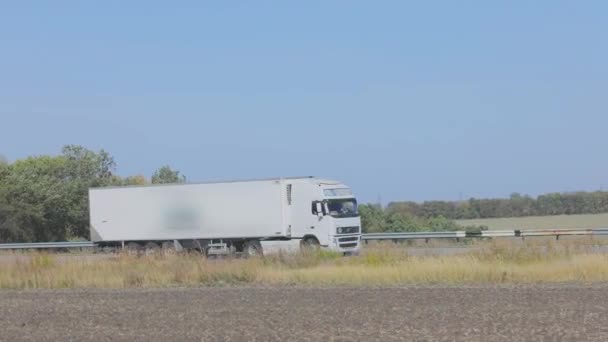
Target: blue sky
(401, 100)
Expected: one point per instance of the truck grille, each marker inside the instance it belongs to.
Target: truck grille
(347, 239)
(348, 242)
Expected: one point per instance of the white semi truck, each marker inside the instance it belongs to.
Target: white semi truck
(226, 217)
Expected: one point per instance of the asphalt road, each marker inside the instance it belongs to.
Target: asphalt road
(478, 313)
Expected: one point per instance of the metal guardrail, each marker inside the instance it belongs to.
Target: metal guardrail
(555, 232)
(413, 235)
(498, 233)
(486, 233)
(372, 236)
(47, 245)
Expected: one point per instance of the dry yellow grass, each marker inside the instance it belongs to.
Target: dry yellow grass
(381, 265)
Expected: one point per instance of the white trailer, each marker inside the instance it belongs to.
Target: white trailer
(226, 217)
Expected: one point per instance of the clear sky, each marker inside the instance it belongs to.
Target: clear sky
(403, 100)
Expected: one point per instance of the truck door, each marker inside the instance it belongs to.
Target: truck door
(303, 221)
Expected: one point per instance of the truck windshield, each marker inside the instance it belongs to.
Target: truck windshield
(346, 207)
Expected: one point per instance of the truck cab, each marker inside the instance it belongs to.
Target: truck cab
(324, 213)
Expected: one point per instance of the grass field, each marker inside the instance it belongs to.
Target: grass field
(542, 222)
(498, 261)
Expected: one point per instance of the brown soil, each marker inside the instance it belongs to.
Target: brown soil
(474, 313)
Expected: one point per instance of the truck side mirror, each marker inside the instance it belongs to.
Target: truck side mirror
(319, 208)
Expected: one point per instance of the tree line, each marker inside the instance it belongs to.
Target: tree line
(515, 206)
(45, 198)
(375, 219)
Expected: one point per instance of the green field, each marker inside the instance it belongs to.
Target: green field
(542, 222)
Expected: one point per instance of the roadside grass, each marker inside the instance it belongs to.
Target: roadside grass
(383, 264)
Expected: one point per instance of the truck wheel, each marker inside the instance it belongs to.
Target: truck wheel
(310, 243)
(252, 248)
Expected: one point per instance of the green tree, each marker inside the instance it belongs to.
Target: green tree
(45, 198)
(134, 180)
(34, 200)
(166, 175)
(8, 228)
(84, 169)
(402, 222)
(4, 170)
(372, 218)
(408, 207)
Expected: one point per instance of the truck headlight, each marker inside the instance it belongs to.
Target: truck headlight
(340, 230)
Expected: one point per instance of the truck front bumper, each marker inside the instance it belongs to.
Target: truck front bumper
(345, 243)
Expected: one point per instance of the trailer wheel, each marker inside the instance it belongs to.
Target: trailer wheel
(152, 248)
(252, 248)
(168, 248)
(133, 248)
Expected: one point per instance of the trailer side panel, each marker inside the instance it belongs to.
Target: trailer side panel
(251, 209)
